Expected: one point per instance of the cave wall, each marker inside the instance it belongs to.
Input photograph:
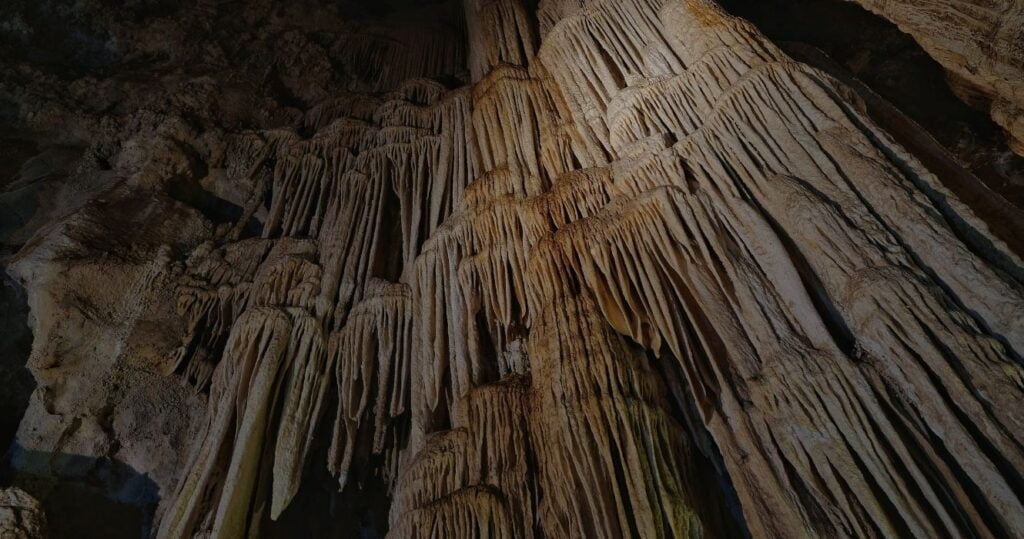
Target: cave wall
(511, 268)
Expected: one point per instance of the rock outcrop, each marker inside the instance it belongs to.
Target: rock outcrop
(980, 44)
(575, 268)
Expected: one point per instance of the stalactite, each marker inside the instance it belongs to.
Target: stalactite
(499, 32)
(371, 355)
(611, 460)
(303, 396)
(484, 459)
(212, 497)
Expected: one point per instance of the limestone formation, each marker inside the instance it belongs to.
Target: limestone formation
(568, 268)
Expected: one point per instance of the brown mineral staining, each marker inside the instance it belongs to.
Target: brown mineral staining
(637, 273)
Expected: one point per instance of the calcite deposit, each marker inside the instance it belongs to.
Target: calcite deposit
(507, 268)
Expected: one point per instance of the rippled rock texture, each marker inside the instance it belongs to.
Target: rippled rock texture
(506, 268)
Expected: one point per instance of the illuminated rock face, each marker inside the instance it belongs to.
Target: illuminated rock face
(585, 268)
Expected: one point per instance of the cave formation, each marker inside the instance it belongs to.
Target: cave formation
(512, 268)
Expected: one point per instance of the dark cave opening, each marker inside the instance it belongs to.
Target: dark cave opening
(16, 208)
(214, 208)
(90, 497)
(717, 501)
(389, 262)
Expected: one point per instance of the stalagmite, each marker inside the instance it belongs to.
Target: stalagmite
(589, 268)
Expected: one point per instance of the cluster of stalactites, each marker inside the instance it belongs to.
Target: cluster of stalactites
(475, 479)
(417, 143)
(376, 164)
(657, 212)
(714, 136)
(332, 187)
(760, 302)
(371, 356)
(216, 285)
(483, 254)
(241, 453)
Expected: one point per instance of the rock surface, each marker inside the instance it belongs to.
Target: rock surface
(21, 516)
(575, 268)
